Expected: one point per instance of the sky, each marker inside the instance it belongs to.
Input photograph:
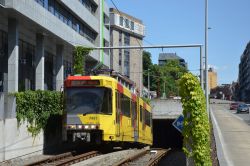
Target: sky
(174, 22)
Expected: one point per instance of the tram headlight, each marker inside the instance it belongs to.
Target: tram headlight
(86, 126)
(79, 127)
(93, 126)
(71, 126)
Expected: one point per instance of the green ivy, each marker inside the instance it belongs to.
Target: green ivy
(79, 55)
(36, 107)
(196, 129)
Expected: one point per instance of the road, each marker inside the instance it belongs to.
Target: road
(224, 105)
(232, 133)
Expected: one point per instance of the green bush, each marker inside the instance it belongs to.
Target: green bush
(79, 55)
(196, 129)
(36, 107)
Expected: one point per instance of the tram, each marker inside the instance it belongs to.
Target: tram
(99, 109)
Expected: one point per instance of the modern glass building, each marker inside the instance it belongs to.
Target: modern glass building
(37, 38)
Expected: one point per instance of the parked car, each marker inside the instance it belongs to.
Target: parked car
(242, 108)
(234, 106)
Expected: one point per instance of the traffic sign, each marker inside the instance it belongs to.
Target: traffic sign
(178, 123)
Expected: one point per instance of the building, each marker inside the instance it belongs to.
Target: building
(244, 75)
(212, 78)
(126, 30)
(37, 38)
(165, 57)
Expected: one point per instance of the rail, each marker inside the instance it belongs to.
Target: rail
(64, 159)
(135, 158)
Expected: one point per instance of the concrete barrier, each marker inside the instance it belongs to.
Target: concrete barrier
(15, 140)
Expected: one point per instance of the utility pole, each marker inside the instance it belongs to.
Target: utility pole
(206, 68)
(148, 85)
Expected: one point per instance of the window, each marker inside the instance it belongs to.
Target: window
(3, 58)
(147, 118)
(63, 14)
(26, 74)
(141, 111)
(132, 25)
(48, 77)
(126, 23)
(125, 105)
(67, 68)
(107, 102)
(89, 5)
(134, 114)
(126, 39)
(121, 20)
(88, 100)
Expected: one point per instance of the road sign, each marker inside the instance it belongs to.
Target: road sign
(178, 123)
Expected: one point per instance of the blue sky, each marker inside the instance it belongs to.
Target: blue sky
(182, 22)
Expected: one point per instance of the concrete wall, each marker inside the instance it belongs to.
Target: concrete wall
(166, 109)
(15, 141)
(136, 66)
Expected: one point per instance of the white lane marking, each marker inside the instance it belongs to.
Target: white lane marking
(224, 148)
(237, 117)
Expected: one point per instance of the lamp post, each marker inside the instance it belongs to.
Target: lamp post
(206, 65)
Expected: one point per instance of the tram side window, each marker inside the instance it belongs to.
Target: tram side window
(125, 102)
(147, 118)
(107, 102)
(134, 112)
(141, 110)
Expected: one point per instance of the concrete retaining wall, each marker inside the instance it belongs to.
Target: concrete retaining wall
(15, 141)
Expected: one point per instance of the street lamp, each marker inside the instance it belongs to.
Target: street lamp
(206, 65)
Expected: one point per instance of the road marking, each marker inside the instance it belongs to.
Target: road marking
(224, 148)
(237, 116)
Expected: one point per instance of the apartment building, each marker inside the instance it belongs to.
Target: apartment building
(244, 75)
(212, 78)
(37, 38)
(165, 57)
(126, 30)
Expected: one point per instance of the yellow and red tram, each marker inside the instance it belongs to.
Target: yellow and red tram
(99, 109)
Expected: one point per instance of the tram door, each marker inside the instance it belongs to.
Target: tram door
(118, 113)
(134, 121)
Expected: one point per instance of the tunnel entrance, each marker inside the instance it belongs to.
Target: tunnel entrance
(165, 135)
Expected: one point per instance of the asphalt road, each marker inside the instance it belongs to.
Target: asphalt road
(224, 105)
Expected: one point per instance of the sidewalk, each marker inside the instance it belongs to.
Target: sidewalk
(232, 137)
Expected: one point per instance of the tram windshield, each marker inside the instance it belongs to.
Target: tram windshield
(88, 101)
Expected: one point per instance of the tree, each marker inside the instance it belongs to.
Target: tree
(171, 72)
(168, 74)
(147, 64)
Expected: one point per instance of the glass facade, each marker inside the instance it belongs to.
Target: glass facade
(3, 58)
(67, 69)
(48, 73)
(89, 5)
(65, 16)
(26, 74)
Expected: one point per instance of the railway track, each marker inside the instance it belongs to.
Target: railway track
(144, 158)
(64, 159)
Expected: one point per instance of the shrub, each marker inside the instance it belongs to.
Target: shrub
(36, 107)
(196, 129)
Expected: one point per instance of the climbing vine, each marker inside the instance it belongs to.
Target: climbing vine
(196, 129)
(79, 56)
(36, 107)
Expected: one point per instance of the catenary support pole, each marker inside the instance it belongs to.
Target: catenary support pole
(206, 64)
